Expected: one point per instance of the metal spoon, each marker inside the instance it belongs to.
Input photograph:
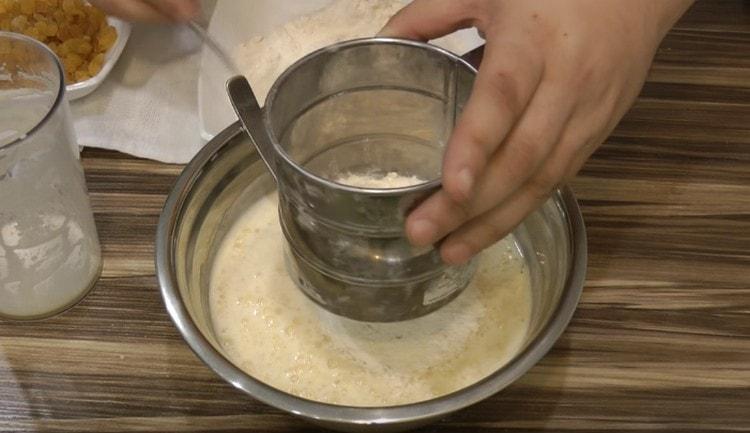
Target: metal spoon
(214, 46)
(242, 97)
(251, 116)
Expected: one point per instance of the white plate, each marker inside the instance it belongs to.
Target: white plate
(234, 22)
(83, 88)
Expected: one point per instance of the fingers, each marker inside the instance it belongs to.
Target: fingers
(519, 162)
(492, 226)
(429, 19)
(151, 11)
(177, 10)
(483, 231)
(504, 86)
(130, 10)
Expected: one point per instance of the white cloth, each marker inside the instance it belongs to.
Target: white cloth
(148, 105)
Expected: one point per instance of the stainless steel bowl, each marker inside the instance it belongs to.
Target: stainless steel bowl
(228, 175)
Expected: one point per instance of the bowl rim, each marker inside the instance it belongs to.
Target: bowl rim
(329, 413)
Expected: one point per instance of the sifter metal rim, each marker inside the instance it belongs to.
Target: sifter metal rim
(424, 187)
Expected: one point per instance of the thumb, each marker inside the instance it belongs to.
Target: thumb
(423, 20)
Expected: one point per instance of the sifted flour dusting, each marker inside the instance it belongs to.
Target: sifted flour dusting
(264, 58)
(389, 180)
(268, 328)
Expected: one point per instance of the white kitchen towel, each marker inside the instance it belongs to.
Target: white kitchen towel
(148, 105)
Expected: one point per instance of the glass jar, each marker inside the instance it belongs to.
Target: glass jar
(49, 250)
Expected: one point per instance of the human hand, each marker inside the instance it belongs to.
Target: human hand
(556, 78)
(153, 11)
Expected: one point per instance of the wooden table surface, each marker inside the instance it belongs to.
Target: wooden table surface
(660, 341)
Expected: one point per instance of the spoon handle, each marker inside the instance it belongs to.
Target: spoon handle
(251, 116)
(214, 46)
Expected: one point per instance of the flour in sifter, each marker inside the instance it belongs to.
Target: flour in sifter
(386, 181)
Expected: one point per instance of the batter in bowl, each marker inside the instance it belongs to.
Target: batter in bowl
(271, 330)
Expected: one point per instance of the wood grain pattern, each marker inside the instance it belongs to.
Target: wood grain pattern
(660, 342)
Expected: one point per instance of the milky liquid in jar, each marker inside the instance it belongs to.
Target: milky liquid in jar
(49, 250)
(272, 331)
